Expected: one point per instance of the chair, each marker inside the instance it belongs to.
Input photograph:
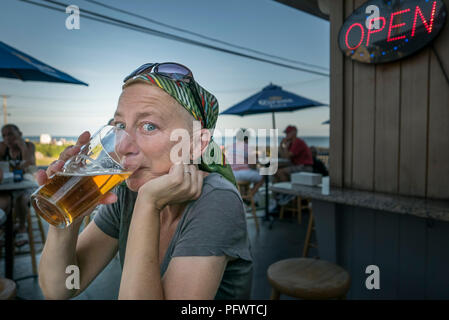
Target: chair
(245, 192)
(31, 240)
(295, 207)
(7, 289)
(306, 278)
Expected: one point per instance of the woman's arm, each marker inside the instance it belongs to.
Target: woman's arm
(28, 151)
(194, 278)
(90, 252)
(185, 278)
(141, 277)
(2, 149)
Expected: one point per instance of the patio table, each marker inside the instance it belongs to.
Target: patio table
(10, 187)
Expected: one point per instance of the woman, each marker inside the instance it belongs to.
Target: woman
(14, 148)
(180, 232)
(242, 153)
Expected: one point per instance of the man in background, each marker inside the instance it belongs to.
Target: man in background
(295, 150)
(318, 165)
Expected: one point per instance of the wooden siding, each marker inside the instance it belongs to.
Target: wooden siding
(389, 122)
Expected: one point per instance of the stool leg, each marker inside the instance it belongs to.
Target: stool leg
(309, 233)
(41, 228)
(275, 295)
(31, 242)
(299, 208)
(253, 207)
(86, 221)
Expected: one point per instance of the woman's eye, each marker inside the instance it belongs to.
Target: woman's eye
(148, 127)
(120, 125)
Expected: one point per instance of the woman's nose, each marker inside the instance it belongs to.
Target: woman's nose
(126, 145)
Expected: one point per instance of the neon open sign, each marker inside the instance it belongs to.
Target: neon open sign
(383, 31)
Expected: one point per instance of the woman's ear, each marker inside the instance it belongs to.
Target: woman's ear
(200, 144)
(205, 139)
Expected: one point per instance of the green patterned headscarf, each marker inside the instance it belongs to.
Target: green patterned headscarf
(182, 93)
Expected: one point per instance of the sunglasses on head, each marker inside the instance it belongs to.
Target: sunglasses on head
(175, 72)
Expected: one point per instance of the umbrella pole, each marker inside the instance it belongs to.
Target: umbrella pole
(274, 122)
(5, 119)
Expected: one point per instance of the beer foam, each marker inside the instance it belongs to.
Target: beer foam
(93, 173)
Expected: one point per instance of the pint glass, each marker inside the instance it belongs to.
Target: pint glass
(84, 179)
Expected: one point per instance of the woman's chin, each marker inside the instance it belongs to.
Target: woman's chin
(138, 179)
(134, 184)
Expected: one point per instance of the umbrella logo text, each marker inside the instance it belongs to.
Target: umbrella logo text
(275, 102)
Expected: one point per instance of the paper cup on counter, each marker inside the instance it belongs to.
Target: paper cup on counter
(325, 189)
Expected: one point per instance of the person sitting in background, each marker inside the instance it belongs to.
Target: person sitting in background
(5, 200)
(318, 165)
(13, 147)
(297, 151)
(240, 152)
(300, 156)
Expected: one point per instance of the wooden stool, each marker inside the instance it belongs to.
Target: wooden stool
(86, 220)
(310, 228)
(245, 193)
(7, 289)
(296, 208)
(31, 241)
(306, 278)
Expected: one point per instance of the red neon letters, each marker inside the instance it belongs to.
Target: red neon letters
(361, 38)
(432, 15)
(402, 15)
(375, 30)
(396, 25)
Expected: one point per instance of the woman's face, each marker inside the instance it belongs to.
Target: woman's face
(148, 115)
(10, 136)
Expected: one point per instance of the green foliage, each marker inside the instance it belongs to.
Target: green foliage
(50, 150)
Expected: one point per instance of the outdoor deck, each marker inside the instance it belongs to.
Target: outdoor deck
(284, 240)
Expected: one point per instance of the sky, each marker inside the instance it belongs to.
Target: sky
(102, 55)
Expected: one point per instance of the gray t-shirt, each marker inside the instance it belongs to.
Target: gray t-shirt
(213, 225)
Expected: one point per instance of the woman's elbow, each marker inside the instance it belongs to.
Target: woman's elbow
(50, 292)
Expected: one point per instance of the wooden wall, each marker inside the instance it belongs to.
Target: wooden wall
(389, 123)
(412, 253)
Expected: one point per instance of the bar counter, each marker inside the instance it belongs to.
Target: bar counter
(407, 238)
(423, 208)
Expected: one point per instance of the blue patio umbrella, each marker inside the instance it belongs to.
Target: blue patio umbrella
(271, 99)
(18, 65)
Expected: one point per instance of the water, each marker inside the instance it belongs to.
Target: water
(37, 138)
(316, 141)
(311, 141)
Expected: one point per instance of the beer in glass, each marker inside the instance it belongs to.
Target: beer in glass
(84, 180)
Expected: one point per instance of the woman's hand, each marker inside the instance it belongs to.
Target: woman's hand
(20, 144)
(181, 184)
(42, 176)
